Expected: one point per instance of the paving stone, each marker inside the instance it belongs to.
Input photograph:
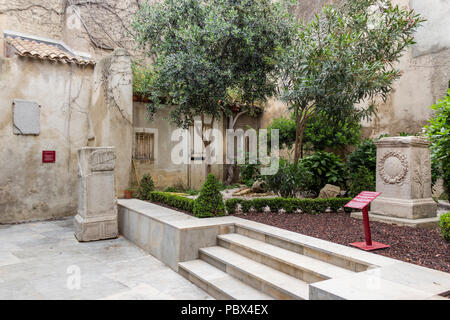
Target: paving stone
(35, 257)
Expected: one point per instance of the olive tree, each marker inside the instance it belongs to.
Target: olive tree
(345, 56)
(208, 52)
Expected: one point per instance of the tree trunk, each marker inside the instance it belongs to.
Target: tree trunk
(299, 131)
(230, 174)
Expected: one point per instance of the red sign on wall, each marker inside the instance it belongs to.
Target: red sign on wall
(48, 156)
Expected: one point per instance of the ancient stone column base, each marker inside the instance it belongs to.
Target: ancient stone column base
(95, 228)
(404, 208)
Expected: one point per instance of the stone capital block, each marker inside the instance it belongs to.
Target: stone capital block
(97, 204)
(404, 178)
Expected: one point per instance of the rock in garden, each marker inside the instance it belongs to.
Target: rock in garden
(252, 210)
(281, 211)
(238, 209)
(329, 191)
(298, 211)
(266, 209)
(258, 186)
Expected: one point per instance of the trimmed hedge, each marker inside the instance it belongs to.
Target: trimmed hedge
(311, 206)
(444, 223)
(172, 200)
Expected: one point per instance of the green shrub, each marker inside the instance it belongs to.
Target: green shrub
(289, 179)
(172, 200)
(362, 180)
(210, 201)
(438, 131)
(326, 168)
(310, 206)
(248, 172)
(320, 132)
(365, 155)
(147, 185)
(444, 224)
(171, 189)
(361, 165)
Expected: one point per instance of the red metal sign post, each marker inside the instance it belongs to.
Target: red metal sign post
(362, 201)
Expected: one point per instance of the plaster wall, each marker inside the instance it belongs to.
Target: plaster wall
(111, 113)
(163, 171)
(30, 189)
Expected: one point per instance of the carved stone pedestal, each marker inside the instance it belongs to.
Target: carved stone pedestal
(404, 178)
(97, 204)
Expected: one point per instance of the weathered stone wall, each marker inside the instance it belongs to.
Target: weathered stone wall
(96, 27)
(43, 18)
(426, 72)
(30, 189)
(111, 112)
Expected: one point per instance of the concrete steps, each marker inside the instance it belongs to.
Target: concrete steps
(218, 283)
(296, 265)
(257, 265)
(261, 277)
(333, 258)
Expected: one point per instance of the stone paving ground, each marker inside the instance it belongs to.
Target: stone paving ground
(41, 261)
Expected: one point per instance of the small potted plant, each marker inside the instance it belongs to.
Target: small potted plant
(129, 193)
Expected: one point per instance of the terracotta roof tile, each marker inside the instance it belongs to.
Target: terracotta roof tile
(44, 50)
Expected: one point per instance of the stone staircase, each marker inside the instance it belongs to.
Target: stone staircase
(252, 265)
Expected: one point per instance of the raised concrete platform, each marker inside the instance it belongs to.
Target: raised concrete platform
(229, 256)
(416, 223)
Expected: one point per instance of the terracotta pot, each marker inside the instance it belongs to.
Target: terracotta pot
(128, 194)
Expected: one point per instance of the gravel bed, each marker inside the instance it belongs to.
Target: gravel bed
(424, 247)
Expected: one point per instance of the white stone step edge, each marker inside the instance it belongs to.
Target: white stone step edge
(336, 254)
(302, 267)
(268, 280)
(217, 283)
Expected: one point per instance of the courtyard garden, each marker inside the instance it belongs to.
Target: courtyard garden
(331, 73)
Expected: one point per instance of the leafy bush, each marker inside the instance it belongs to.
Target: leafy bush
(310, 206)
(172, 200)
(444, 223)
(438, 131)
(320, 132)
(181, 189)
(362, 180)
(286, 131)
(365, 155)
(361, 164)
(143, 78)
(147, 185)
(289, 179)
(170, 189)
(210, 201)
(325, 168)
(248, 172)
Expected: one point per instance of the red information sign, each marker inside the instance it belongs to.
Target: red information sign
(361, 201)
(48, 156)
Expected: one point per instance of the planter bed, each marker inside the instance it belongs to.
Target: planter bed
(424, 247)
